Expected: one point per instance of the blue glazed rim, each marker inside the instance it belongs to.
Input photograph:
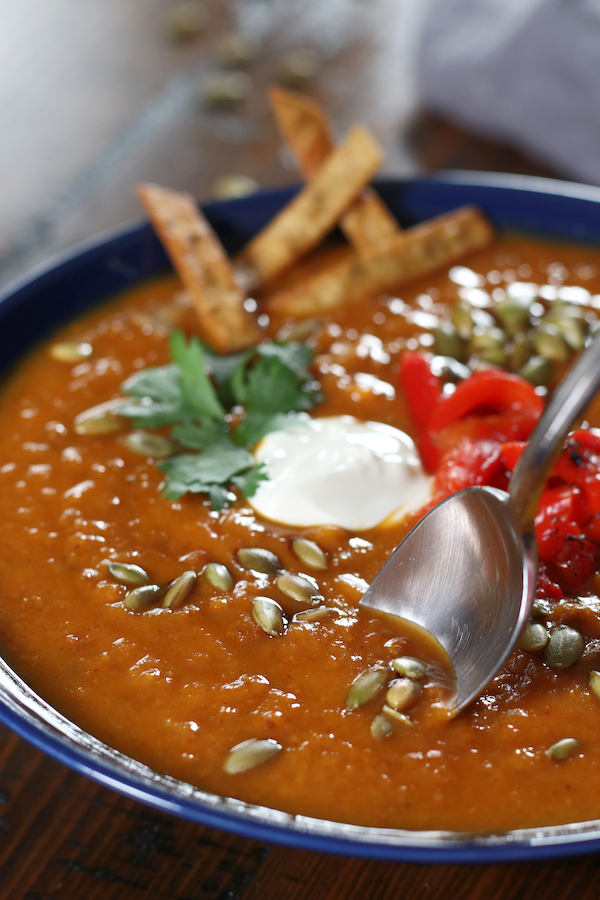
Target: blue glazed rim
(32, 307)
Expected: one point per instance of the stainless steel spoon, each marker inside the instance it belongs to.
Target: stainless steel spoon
(467, 571)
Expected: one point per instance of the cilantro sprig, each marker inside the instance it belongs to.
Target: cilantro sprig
(219, 408)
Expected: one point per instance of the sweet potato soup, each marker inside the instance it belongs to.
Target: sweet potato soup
(309, 681)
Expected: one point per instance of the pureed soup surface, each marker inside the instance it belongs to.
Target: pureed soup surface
(178, 688)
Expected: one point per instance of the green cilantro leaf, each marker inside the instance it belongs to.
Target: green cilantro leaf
(272, 381)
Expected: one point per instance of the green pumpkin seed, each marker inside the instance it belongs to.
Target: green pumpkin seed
(179, 590)
(296, 586)
(70, 351)
(225, 89)
(537, 370)
(560, 311)
(218, 575)
(259, 560)
(409, 667)
(150, 445)
(495, 356)
(446, 340)
(562, 749)
(143, 596)
(381, 727)
(231, 187)
(128, 573)
(269, 615)
(250, 754)
(299, 331)
(594, 681)
(564, 647)
(402, 693)
(366, 686)
(101, 419)
(549, 343)
(396, 715)
(309, 553)
(185, 20)
(297, 67)
(534, 637)
(518, 351)
(513, 313)
(462, 319)
(573, 331)
(485, 339)
(237, 49)
(314, 614)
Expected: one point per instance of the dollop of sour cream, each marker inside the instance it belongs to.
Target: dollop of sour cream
(340, 471)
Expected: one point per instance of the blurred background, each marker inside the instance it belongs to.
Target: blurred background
(97, 96)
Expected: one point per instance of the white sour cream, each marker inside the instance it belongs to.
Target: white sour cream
(339, 471)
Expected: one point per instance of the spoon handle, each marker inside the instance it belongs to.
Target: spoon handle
(567, 403)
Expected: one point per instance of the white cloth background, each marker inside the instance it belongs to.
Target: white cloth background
(523, 71)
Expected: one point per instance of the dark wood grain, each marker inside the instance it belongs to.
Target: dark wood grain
(93, 98)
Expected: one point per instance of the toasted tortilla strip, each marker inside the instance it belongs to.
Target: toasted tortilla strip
(411, 253)
(304, 126)
(316, 209)
(203, 266)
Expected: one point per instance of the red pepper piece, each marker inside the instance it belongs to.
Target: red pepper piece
(484, 393)
(421, 388)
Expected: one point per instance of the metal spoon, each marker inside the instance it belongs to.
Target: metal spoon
(467, 571)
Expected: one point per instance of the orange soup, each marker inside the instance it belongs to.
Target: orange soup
(178, 686)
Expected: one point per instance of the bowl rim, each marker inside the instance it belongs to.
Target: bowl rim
(26, 713)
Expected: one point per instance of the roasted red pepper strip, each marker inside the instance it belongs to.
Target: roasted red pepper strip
(422, 389)
(485, 393)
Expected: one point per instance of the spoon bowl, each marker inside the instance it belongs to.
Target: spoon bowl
(466, 573)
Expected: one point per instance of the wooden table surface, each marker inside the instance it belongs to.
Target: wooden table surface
(94, 97)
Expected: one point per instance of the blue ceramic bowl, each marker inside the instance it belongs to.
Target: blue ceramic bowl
(36, 305)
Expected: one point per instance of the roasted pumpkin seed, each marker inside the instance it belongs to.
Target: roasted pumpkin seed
(396, 715)
(128, 573)
(70, 351)
(267, 613)
(297, 586)
(534, 637)
(485, 339)
(564, 647)
(365, 686)
(179, 590)
(402, 693)
(297, 67)
(143, 596)
(225, 89)
(446, 340)
(537, 370)
(462, 319)
(101, 419)
(185, 20)
(549, 343)
(594, 681)
(237, 49)
(562, 749)
(231, 187)
(519, 351)
(218, 575)
(259, 560)
(309, 553)
(381, 727)
(314, 614)
(150, 445)
(513, 313)
(250, 754)
(409, 667)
